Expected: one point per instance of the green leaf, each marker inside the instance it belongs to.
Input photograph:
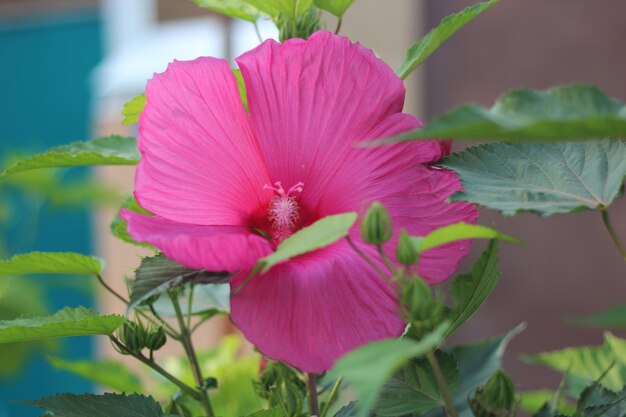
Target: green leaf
(291, 8)
(108, 150)
(349, 410)
(318, 235)
(274, 412)
(157, 275)
(106, 373)
(469, 291)
(369, 367)
(533, 401)
(51, 263)
(207, 299)
(414, 388)
(459, 231)
(78, 321)
(241, 86)
(433, 39)
(590, 362)
(477, 362)
(335, 7)
(562, 113)
(543, 178)
(105, 405)
(133, 109)
(614, 317)
(239, 9)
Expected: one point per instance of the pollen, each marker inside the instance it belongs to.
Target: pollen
(284, 210)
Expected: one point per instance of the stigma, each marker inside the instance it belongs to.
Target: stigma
(283, 211)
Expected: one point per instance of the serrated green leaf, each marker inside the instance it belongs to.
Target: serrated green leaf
(469, 291)
(318, 235)
(51, 263)
(369, 367)
(133, 109)
(157, 275)
(105, 405)
(433, 39)
(107, 373)
(459, 231)
(239, 9)
(477, 362)
(614, 317)
(349, 410)
(108, 150)
(590, 362)
(598, 401)
(562, 113)
(78, 321)
(543, 178)
(335, 7)
(291, 8)
(414, 388)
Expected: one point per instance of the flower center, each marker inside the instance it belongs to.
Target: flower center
(284, 210)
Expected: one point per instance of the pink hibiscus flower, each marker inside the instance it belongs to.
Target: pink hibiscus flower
(215, 176)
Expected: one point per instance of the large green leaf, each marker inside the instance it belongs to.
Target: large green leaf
(562, 113)
(598, 401)
(291, 8)
(133, 109)
(459, 231)
(590, 362)
(51, 263)
(157, 275)
(105, 405)
(108, 150)
(318, 235)
(477, 362)
(614, 317)
(208, 298)
(106, 373)
(274, 412)
(414, 388)
(336, 7)
(543, 178)
(433, 39)
(369, 367)
(238, 9)
(469, 291)
(349, 410)
(78, 321)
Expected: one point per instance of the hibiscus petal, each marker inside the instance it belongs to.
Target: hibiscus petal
(200, 162)
(313, 309)
(311, 101)
(215, 248)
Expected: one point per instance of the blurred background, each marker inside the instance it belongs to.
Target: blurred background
(68, 66)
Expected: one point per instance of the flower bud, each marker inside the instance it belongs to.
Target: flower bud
(406, 253)
(156, 338)
(423, 311)
(497, 398)
(303, 27)
(133, 336)
(376, 227)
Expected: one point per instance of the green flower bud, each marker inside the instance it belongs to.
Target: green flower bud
(156, 338)
(133, 336)
(376, 228)
(406, 253)
(423, 311)
(497, 398)
(304, 26)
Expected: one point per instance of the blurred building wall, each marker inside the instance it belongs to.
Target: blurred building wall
(568, 266)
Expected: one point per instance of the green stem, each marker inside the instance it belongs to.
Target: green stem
(314, 408)
(609, 226)
(386, 259)
(150, 363)
(193, 358)
(171, 332)
(339, 22)
(331, 397)
(111, 290)
(189, 306)
(443, 387)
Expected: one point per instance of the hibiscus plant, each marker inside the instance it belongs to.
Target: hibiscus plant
(294, 196)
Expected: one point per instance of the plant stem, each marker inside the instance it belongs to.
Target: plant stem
(167, 327)
(443, 387)
(339, 25)
(150, 363)
(193, 358)
(314, 408)
(385, 259)
(331, 397)
(609, 227)
(367, 259)
(111, 290)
